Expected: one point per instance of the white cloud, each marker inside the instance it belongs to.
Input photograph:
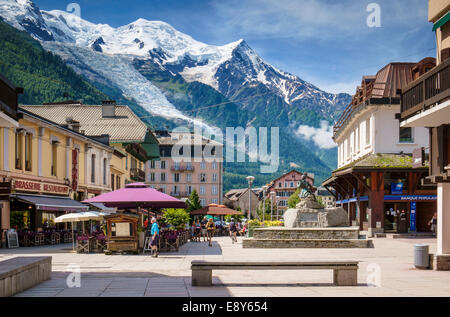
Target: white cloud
(323, 136)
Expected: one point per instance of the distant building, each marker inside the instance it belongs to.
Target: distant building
(328, 199)
(179, 179)
(285, 186)
(375, 178)
(239, 198)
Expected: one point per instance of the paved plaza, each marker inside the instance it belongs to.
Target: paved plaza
(170, 274)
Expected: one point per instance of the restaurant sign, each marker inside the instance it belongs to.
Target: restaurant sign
(39, 187)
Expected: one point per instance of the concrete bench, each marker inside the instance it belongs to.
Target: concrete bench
(20, 273)
(345, 273)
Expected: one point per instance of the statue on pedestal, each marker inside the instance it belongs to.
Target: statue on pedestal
(307, 189)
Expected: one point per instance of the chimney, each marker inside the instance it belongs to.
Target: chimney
(72, 124)
(108, 109)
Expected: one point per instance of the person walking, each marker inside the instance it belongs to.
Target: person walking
(233, 231)
(203, 223)
(193, 235)
(155, 237)
(433, 223)
(198, 230)
(210, 227)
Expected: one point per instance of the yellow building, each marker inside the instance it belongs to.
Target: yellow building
(45, 168)
(131, 138)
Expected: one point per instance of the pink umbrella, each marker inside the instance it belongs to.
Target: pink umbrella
(137, 195)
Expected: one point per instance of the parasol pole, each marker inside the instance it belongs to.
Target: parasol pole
(73, 239)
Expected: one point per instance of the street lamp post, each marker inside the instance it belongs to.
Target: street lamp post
(264, 203)
(272, 196)
(277, 198)
(250, 180)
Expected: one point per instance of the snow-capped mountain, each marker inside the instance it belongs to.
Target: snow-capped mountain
(226, 68)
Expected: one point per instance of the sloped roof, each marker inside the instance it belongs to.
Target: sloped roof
(390, 78)
(125, 127)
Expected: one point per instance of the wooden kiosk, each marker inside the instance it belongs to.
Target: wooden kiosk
(122, 232)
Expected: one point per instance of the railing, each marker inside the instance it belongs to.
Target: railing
(137, 174)
(182, 168)
(426, 91)
(178, 194)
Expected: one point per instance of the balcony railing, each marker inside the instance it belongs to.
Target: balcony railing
(178, 194)
(137, 174)
(182, 168)
(431, 88)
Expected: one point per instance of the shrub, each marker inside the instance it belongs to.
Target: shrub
(176, 217)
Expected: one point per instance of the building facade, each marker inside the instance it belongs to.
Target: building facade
(426, 103)
(285, 186)
(328, 199)
(133, 142)
(44, 169)
(239, 199)
(180, 178)
(375, 179)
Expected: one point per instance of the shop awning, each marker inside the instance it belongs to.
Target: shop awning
(441, 22)
(52, 203)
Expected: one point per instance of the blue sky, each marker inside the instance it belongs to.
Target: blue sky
(325, 42)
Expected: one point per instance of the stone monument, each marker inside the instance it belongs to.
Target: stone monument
(311, 214)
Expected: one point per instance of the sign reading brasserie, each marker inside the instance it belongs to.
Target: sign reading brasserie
(30, 186)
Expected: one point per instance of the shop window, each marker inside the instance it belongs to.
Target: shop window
(54, 166)
(18, 152)
(28, 158)
(406, 135)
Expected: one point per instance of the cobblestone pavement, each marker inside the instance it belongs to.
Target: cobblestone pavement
(389, 264)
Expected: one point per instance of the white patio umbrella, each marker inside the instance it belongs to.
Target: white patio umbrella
(80, 216)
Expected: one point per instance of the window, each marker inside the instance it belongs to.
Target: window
(152, 164)
(368, 131)
(202, 165)
(152, 177)
(163, 177)
(202, 178)
(280, 185)
(113, 177)
(126, 162)
(202, 190)
(214, 201)
(188, 189)
(118, 182)
(163, 188)
(28, 144)
(54, 167)
(214, 190)
(18, 155)
(105, 171)
(188, 177)
(406, 135)
(214, 178)
(292, 184)
(163, 165)
(176, 177)
(203, 202)
(214, 165)
(93, 168)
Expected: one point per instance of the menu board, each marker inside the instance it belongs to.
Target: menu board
(13, 240)
(123, 229)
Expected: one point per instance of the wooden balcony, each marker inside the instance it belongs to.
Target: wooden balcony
(428, 90)
(137, 175)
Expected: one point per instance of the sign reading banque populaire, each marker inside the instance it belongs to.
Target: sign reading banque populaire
(30, 186)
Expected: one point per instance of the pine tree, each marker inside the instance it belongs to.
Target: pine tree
(193, 203)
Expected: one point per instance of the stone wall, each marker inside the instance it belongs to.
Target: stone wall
(306, 233)
(304, 243)
(21, 273)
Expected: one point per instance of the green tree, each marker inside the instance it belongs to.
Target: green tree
(176, 217)
(267, 210)
(193, 203)
(294, 199)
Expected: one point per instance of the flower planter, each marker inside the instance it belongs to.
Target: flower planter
(250, 231)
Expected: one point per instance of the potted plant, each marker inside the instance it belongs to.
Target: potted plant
(252, 224)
